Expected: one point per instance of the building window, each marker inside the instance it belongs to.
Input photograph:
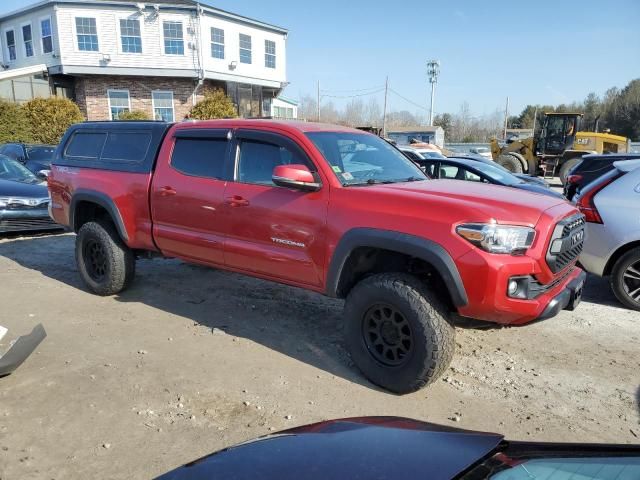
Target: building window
(163, 106)
(118, 103)
(47, 36)
(87, 34)
(27, 38)
(269, 54)
(217, 43)
(245, 48)
(173, 42)
(130, 35)
(11, 45)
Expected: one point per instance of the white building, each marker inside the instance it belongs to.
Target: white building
(115, 55)
(284, 108)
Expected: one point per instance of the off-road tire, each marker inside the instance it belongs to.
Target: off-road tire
(510, 162)
(432, 335)
(117, 260)
(563, 173)
(617, 278)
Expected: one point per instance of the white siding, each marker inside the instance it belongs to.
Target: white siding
(16, 24)
(232, 31)
(108, 25)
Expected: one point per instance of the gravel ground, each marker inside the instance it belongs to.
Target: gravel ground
(190, 360)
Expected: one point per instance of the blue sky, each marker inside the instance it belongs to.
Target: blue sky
(534, 52)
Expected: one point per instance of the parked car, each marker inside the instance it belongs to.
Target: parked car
(418, 154)
(36, 157)
(611, 205)
(590, 168)
(473, 171)
(525, 177)
(326, 208)
(24, 199)
(482, 151)
(393, 448)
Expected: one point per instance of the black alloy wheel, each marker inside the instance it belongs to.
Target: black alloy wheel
(95, 259)
(387, 335)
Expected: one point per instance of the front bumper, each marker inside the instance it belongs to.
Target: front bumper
(486, 279)
(15, 220)
(567, 299)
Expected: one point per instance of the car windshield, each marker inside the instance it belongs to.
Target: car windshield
(429, 154)
(497, 174)
(361, 159)
(41, 153)
(14, 171)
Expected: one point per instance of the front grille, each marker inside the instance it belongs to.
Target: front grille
(536, 288)
(566, 243)
(20, 224)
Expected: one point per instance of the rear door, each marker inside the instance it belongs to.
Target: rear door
(187, 195)
(273, 231)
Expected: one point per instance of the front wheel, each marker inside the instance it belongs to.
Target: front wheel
(106, 264)
(397, 332)
(625, 279)
(564, 169)
(510, 162)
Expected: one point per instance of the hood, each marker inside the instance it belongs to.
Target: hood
(541, 189)
(10, 188)
(475, 201)
(366, 448)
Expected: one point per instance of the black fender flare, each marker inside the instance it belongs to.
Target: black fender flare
(99, 198)
(422, 248)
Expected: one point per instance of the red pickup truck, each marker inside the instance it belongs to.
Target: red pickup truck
(326, 208)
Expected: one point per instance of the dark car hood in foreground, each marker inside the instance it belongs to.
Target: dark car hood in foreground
(356, 448)
(10, 188)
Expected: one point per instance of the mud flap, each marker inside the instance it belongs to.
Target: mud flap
(20, 350)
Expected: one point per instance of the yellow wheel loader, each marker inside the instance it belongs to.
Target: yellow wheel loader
(560, 144)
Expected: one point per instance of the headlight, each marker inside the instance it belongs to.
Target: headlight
(498, 238)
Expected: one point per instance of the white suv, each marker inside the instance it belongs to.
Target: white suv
(611, 205)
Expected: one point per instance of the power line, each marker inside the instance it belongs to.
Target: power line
(407, 100)
(357, 90)
(354, 96)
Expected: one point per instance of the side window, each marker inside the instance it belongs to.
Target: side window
(126, 146)
(430, 169)
(448, 171)
(200, 157)
(471, 177)
(86, 145)
(258, 159)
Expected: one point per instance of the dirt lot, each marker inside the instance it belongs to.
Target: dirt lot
(190, 360)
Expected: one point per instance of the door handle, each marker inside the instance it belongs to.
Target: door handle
(167, 191)
(237, 201)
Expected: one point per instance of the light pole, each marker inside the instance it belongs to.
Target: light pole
(433, 70)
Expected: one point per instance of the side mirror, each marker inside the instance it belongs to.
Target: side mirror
(44, 174)
(295, 176)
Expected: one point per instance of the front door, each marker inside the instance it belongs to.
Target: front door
(187, 196)
(273, 231)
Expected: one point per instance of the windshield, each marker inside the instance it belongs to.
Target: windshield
(430, 154)
(41, 153)
(14, 171)
(361, 159)
(497, 174)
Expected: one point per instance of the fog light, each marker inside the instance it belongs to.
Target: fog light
(512, 288)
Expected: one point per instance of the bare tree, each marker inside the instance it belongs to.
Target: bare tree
(308, 108)
(373, 113)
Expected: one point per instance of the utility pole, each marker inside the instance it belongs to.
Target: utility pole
(318, 101)
(384, 110)
(506, 118)
(535, 117)
(433, 70)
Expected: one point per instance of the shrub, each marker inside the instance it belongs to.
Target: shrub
(215, 104)
(50, 118)
(133, 115)
(14, 124)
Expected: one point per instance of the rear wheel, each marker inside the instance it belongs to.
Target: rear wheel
(106, 264)
(564, 169)
(510, 162)
(397, 332)
(625, 279)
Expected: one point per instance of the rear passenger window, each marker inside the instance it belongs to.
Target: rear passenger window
(126, 146)
(200, 157)
(86, 145)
